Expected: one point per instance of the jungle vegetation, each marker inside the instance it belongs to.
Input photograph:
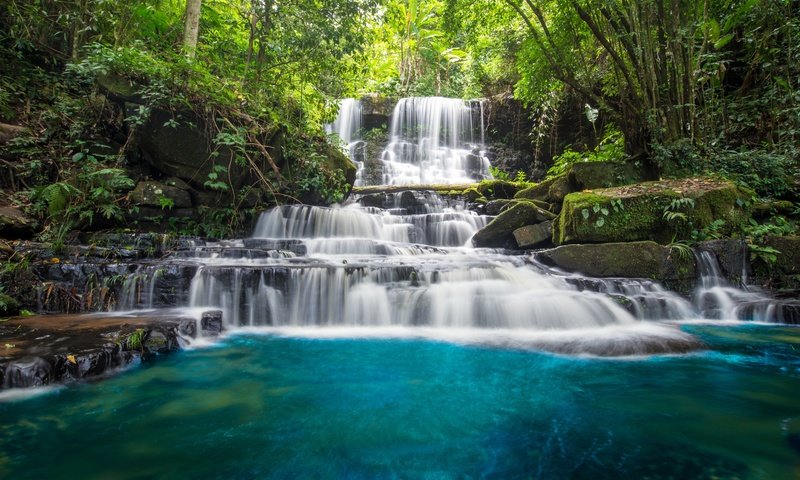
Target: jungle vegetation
(684, 87)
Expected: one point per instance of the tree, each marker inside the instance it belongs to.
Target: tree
(192, 27)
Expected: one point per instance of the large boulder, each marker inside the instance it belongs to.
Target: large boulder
(15, 224)
(156, 194)
(534, 236)
(499, 233)
(580, 176)
(629, 260)
(180, 145)
(776, 264)
(661, 211)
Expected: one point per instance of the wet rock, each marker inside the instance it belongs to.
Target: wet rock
(376, 110)
(534, 236)
(211, 322)
(15, 224)
(291, 245)
(630, 260)
(499, 233)
(64, 348)
(637, 212)
(156, 194)
(732, 255)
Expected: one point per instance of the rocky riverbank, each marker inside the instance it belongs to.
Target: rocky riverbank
(49, 349)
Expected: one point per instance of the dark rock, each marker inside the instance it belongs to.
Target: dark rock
(534, 236)
(15, 224)
(631, 260)
(494, 207)
(63, 348)
(732, 255)
(783, 275)
(292, 245)
(211, 322)
(8, 306)
(376, 110)
(499, 232)
(153, 194)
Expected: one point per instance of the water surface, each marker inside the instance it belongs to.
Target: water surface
(270, 406)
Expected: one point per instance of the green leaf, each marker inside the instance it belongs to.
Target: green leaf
(723, 41)
(600, 222)
(585, 213)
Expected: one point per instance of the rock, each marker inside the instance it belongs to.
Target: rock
(494, 189)
(178, 144)
(211, 323)
(42, 350)
(14, 224)
(637, 212)
(732, 255)
(550, 191)
(532, 236)
(580, 176)
(782, 275)
(499, 233)
(376, 110)
(9, 132)
(494, 207)
(629, 260)
(8, 306)
(151, 193)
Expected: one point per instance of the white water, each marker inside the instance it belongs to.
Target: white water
(435, 140)
(432, 140)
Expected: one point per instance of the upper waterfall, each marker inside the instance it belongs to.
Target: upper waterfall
(431, 140)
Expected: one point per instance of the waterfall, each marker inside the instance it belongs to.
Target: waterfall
(435, 140)
(348, 121)
(716, 298)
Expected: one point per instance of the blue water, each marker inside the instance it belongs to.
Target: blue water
(262, 406)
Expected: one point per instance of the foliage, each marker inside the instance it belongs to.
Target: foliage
(610, 149)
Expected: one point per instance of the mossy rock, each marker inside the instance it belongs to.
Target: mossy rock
(636, 212)
(494, 189)
(628, 260)
(783, 275)
(580, 176)
(499, 233)
(9, 306)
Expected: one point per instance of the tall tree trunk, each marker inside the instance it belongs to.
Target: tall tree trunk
(192, 30)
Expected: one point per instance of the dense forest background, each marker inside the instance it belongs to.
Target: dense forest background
(676, 87)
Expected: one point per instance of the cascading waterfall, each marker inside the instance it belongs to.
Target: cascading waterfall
(432, 140)
(348, 121)
(435, 140)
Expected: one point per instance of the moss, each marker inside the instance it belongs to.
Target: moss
(495, 189)
(8, 306)
(471, 194)
(591, 217)
(630, 260)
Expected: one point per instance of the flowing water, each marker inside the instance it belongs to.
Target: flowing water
(370, 341)
(433, 140)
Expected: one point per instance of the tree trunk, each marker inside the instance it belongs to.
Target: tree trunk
(192, 30)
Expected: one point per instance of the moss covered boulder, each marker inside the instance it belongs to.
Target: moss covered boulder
(629, 260)
(494, 189)
(580, 176)
(661, 211)
(499, 233)
(776, 264)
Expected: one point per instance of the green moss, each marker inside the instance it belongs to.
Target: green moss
(591, 217)
(494, 189)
